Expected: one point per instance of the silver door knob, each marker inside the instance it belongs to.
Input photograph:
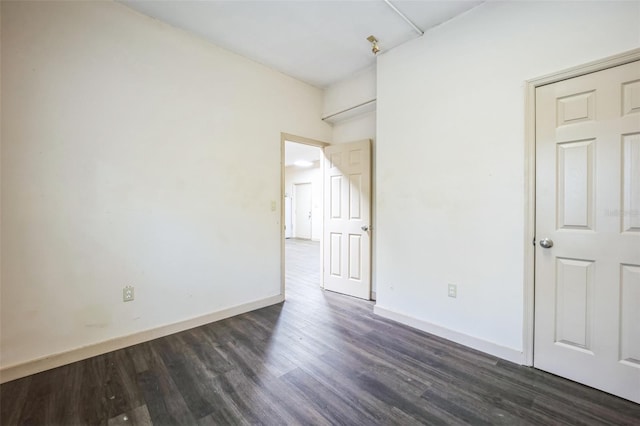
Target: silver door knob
(365, 228)
(546, 243)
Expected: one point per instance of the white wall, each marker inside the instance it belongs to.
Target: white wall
(357, 128)
(352, 91)
(450, 158)
(312, 175)
(133, 153)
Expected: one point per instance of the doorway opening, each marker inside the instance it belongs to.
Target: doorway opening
(339, 219)
(302, 204)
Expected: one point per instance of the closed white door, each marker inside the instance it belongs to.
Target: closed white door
(288, 217)
(302, 198)
(587, 275)
(347, 219)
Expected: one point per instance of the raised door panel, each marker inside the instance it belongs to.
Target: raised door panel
(575, 184)
(630, 315)
(631, 183)
(574, 280)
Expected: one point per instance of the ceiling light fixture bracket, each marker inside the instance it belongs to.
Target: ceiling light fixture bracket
(374, 44)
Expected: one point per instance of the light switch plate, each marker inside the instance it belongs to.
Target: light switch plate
(453, 290)
(127, 293)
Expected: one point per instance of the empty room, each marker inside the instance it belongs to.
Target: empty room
(321, 212)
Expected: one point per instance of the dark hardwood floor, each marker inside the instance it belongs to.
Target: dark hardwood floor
(320, 358)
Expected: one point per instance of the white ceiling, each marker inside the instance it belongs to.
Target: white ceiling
(316, 41)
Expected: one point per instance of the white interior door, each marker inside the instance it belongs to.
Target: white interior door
(288, 217)
(347, 219)
(303, 201)
(587, 284)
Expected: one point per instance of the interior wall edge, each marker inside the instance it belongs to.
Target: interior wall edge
(17, 371)
(482, 345)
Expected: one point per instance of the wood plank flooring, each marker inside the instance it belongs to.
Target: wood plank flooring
(320, 358)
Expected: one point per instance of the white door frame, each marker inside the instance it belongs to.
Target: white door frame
(306, 141)
(530, 179)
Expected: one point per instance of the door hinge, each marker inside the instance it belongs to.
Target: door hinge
(534, 241)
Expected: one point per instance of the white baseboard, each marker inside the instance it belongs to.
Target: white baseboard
(48, 362)
(491, 348)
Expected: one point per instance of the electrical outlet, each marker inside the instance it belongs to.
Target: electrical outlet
(127, 293)
(453, 290)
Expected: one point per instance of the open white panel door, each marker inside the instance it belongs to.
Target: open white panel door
(347, 218)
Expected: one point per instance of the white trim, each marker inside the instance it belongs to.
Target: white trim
(530, 142)
(48, 362)
(529, 222)
(491, 348)
(588, 68)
